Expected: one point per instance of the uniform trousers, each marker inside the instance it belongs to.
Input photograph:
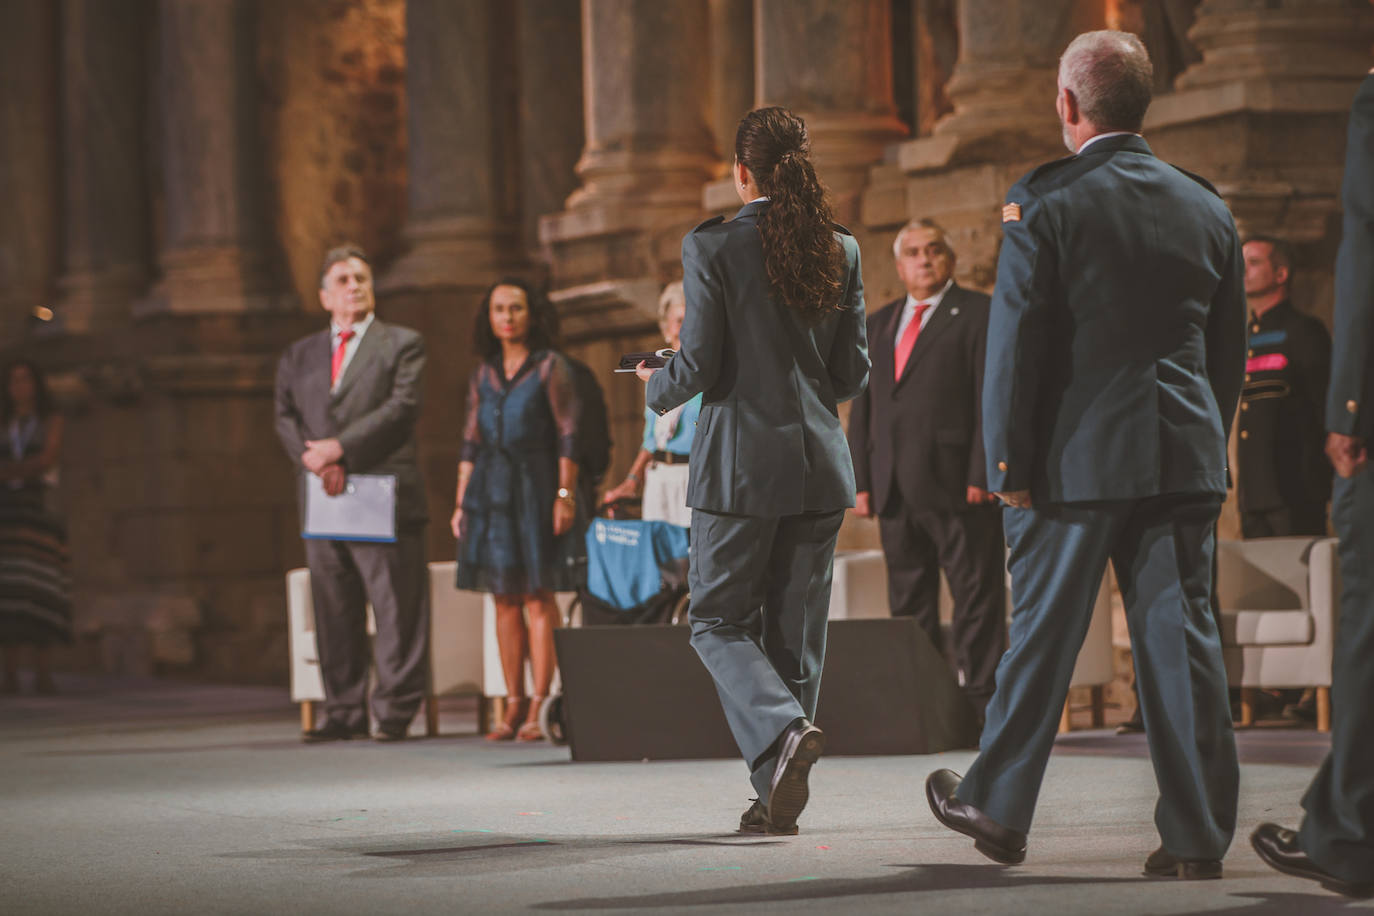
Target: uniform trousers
(968, 545)
(760, 600)
(1161, 548)
(1338, 831)
(344, 577)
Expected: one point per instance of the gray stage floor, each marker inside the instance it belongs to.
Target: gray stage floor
(156, 797)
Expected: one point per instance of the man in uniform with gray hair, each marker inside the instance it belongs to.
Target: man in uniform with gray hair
(1116, 350)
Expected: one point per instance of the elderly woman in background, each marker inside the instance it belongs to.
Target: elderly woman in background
(516, 512)
(661, 465)
(35, 604)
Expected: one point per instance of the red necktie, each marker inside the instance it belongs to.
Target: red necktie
(344, 338)
(908, 341)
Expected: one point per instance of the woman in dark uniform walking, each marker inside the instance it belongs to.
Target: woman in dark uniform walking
(774, 339)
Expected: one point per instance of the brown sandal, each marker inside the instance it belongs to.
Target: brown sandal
(531, 731)
(505, 730)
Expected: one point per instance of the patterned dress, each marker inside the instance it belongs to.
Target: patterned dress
(516, 431)
(35, 590)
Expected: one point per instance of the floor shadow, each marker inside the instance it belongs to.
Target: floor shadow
(1318, 903)
(913, 879)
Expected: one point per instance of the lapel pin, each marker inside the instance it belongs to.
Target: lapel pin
(954, 311)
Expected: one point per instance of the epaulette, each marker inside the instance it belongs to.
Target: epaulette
(1045, 169)
(710, 222)
(840, 229)
(1200, 180)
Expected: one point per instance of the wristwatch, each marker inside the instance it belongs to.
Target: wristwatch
(565, 493)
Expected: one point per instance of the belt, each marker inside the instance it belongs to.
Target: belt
(669, 458)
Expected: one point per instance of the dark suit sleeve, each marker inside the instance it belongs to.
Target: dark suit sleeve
(1226, 336)
(858, 441)
(288, 417)
(379, 432)
(977, 454)
(1017, 345)
(1347, 399)
(697, 363)
(848, 361)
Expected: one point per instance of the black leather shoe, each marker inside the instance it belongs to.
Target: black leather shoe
(800, 746)
(391, 731)
(1162, 864)
(755, 820)
(1278, 847)
(333, 730)
(1001, 844)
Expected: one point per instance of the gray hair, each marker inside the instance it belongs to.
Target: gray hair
(673, 294)
(1110, 75)
(924, 222)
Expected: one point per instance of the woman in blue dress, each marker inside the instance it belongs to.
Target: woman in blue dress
(516, 512)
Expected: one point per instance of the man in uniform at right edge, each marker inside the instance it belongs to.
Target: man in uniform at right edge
(1335, 845)
(1116, 349)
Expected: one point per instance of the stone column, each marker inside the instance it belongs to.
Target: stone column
(214, 230)
(648, 120)
(649, 149)
(104, 200)
(28, 162)
(462, 118)
(732, 71)
(831, 63)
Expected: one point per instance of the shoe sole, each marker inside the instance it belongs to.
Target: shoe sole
(789, 796)
(1359, 892)
(997, 854)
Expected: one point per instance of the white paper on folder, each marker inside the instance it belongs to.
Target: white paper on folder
(364, 511)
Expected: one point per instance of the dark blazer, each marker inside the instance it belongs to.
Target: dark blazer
(372, 413)
(1116, 342)
(1350, 396)
(923, 432)
(769, 441)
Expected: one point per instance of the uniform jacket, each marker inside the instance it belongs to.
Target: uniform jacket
(769, 441)
(1351, 393)
(372, 412)
(1280, 461)
(1116, 341)
(921, 435)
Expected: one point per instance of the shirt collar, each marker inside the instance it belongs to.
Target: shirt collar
(757, 199)
(933, 301)
(1111, 133)
(359, 327)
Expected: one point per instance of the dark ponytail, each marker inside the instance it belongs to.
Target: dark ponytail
(804, 259)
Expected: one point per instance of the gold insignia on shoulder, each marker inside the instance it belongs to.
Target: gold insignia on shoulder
(1011, 213)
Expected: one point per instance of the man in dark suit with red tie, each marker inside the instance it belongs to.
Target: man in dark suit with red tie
(916, 439)
(347, 401)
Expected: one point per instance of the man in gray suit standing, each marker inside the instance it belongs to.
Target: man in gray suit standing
(346, 403)
(1116, 351)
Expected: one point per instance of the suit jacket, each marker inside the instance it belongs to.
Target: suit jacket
(1116, 342)
(921, 435)
(372, 413)
(1351, 393)
(769, 441)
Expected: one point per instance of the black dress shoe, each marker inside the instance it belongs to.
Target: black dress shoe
(1001, 844)
(333, 730)
(391, 731)
(755, 820)
(1278, 847)
(1162, 864)
(800, 746)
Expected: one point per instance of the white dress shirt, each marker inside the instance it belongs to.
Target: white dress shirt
(1111, 133)
(909, 310)
(359, 329)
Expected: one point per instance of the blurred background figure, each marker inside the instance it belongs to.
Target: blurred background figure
(516, 509)
(35, 601)
(660, 468)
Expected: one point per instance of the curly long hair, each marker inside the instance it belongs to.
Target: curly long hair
(543, 333)
(804, 259)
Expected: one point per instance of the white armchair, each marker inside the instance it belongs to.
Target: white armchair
(455, 643)
(1279, 599)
